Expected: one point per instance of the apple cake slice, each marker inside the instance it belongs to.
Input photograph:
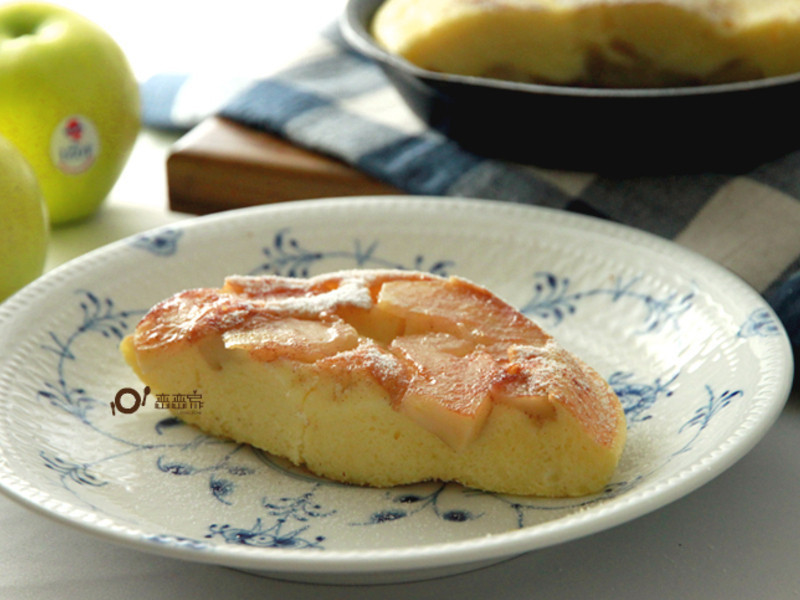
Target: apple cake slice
(382, 378)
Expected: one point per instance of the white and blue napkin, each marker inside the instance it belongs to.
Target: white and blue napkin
(338, 103)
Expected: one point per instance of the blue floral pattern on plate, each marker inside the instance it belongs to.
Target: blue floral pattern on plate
(286, 521)
(138, 469)
(162, 242)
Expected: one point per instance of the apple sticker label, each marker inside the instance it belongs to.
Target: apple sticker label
(74, 145)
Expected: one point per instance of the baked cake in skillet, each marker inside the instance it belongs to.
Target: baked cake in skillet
(596, 43)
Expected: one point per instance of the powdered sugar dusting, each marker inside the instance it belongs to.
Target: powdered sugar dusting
(350, 292)
(386, 363)
(391, 373)
(575, 385)
(305, 296)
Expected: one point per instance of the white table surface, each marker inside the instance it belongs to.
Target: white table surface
(737, 537)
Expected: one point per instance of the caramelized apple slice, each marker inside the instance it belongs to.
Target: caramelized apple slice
(373, 323)
(449, 392)
(543, 375)
(190, 316)
(390, 371)
(251, 286)
(458, 307)
(292, 338)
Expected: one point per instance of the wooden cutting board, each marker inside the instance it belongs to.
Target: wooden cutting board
(220, 165)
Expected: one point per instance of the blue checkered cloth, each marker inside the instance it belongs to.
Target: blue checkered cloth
(336, 102)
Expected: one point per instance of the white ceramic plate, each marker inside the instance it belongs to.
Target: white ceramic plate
(699, 360)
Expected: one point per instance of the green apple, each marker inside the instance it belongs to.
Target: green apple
(69, 101)
(23, 222)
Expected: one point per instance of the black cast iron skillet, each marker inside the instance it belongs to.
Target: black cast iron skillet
(729, 127)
